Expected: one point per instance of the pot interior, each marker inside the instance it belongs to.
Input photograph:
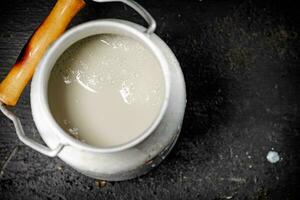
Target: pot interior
(107, 86)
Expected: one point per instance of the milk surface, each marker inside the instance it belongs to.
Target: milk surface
(106, 90)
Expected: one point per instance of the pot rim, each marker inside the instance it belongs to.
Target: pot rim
(74, 35)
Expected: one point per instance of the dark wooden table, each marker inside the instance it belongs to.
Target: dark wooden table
(241, 64)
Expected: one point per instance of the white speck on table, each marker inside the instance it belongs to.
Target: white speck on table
(273, 157)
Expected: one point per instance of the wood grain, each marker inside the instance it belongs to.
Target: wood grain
(48, 31)
(241, 67)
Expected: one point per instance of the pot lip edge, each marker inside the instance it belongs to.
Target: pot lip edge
(39, 84)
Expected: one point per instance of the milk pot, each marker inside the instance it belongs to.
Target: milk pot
(116, 163)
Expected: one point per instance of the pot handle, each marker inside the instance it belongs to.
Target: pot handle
(29, 142)
(139, 9)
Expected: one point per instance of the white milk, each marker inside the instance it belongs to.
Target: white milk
(106, 90)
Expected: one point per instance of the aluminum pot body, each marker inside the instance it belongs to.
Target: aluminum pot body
(121, 163)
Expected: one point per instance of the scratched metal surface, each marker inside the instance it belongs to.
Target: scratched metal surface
(241, 64)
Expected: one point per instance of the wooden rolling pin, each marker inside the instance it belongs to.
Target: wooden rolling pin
(51, 28)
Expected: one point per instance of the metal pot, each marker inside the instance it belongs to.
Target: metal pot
(122, 162)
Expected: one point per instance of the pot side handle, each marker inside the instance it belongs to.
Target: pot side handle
(28, 141)
(139, 9)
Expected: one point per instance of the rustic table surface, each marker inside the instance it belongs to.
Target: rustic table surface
(241, 64)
